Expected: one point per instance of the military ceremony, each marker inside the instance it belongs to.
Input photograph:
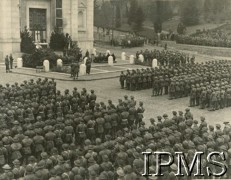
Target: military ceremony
(87, 88)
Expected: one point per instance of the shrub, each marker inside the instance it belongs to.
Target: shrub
(57, 40)
(26, 45)
(38, 56)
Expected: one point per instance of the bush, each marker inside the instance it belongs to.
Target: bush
(64, 69)
(138, 62)
(38, 56)
(26, 45)
(133, 42)
(57, 40)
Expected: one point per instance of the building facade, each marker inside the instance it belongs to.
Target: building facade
(74, 17)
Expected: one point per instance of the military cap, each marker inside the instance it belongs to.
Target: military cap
(223, 147)
(77, 162)
(15, 123)
(165, 115)
(180, 112)
(152, 120)
(211, 127)
(44, 155)
(6, 167)
(174, 167)
(41, 164)
(187, 109)
(174, 112)
(195, 122)
(29, 169)
(229, 151)
(120, 172)
(91, 160)
(202, 118)
(218, 126)
(16, 162)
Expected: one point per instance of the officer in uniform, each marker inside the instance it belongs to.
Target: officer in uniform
(128, 80)
(172, 90)
(193, 96)
(140, 110)
(203, 98)
(122, 79)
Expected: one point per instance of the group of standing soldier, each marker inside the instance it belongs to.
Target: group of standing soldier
(207, 84)
(165, 57)
(52, 136)
(9, 63)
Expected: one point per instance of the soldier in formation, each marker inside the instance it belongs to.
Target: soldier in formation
(49, 135)
(215, 38)
(164, 57)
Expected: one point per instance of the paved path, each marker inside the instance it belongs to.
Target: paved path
(97, 72)
(110, 89)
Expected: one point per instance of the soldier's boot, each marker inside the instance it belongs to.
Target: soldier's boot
(122, 84)
(197, 102)
(127, 86)
(161, 91)
(170, 96)
(132, 87)
(153, 92)
(212, 106)
(166, 90)
(193, 102)
(217, 105)
(190, 102)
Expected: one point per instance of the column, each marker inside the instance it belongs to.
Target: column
(74, 20)
(90, 22)
(10, 27)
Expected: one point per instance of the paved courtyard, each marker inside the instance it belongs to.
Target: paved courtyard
(110, 89)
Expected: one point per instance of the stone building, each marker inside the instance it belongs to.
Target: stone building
(74, 17)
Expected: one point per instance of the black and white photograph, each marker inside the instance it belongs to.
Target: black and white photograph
(115, 89)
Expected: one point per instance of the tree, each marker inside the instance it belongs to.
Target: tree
(57, 40)
(158, 12)
(132, 11)
(118, 17)
(139, 20)
(189, 12)
(208, 8)
(181, 28)
(26, 45)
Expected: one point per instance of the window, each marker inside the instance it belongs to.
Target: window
(80, 17)
(59, 14)
(59, 4)
(37, 24)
